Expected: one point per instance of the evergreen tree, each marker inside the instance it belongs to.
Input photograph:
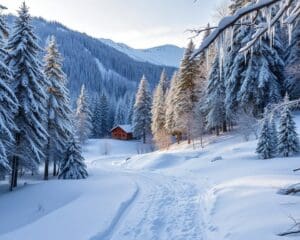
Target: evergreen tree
(59, 112)
(104, 115)
(292, 82)
(265, 147)
(170, 98)
(29, 86)
(186, 93)
(215, 107)
(83, 117)
(73, 166)
(159, 115)
(120, 114)
(274, 134)
(262, 73)
(8, 104)
(164, 81)
(142, 111)
(288, 137)
(97, 128)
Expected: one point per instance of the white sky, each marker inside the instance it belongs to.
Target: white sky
(138, 23)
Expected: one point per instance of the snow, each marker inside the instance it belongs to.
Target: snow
(221, 191)
(167, 55)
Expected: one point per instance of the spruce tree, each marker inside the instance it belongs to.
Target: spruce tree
(164, 81)
(288, 142)
(8, 104)
(97, 128)
(262, 73)
(59, 112)
(142, 111)
(120, 114)
(73, 166)
(186, 93)
(292, 73)
(83, 117)
(215, 106)
(170, 98)
(104, 115)
(29, 86)
(158, 123)
(265, 147)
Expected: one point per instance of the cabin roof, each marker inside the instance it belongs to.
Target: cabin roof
(126, 128)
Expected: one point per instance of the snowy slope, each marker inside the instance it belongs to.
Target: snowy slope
(222, 191)
(168, 55)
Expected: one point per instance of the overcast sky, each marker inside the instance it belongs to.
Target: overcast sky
(138, 23)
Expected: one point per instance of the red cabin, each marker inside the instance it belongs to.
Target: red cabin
(122, 132)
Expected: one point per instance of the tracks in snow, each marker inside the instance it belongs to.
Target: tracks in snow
(165, 208)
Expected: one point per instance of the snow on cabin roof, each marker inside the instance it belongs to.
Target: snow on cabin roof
(127, 128)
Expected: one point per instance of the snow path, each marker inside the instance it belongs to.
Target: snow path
(166, 208)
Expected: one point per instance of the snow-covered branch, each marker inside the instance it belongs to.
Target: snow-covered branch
(229, 21)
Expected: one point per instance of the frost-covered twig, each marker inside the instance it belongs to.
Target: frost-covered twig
(295, 229)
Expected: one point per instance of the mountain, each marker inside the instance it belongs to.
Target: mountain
(99, 66)
(168, 55)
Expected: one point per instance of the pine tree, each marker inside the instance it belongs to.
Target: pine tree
(73, 166)
(274, 134)
(59, 112)
(104, 115)
(8, 104)
(170, 98)
(142, 111)
(83, 117)
(215, 106)
(159, 115)
(186, 93)
(262, 73)
(265, 147)
(292, 82)
(120, 114)
(97, 128)
(164, 81)
(288, 142)
(29, 86)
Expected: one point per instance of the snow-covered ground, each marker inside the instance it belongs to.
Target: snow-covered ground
(222, 191)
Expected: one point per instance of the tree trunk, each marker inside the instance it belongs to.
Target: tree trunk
(46, 169)
(224, 126)
(54, 168)
(13, 169)
(15, 183)
(217, 131)
(144, 137)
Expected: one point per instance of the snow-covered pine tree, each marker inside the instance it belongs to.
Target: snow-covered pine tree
(170, 96)
(158, 123)
(73, 166)
(234, 63)
(288, 142)
(186, 93)
(29, 85)
(142, 111)
(104, 115)
(262, 73)
(292, 71)
(164, 81)
(9, 105)
(83, 117)
(274, 134)
(59, 112)
(215, 107)
(97, 128)
(120, 114)
(265, 147)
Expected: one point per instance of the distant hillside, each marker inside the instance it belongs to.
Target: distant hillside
(91, 62)
(168, 55)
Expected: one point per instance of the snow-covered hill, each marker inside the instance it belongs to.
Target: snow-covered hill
(168, 55)
(222, 191)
